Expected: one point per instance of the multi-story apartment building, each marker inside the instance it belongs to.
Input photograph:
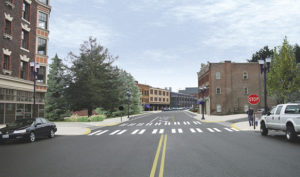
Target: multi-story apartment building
(179, 100)
(159, 98)
(229, 85)
(23, 39)
(190, 91)
(145, 101)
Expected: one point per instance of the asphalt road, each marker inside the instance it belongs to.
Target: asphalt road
(169, 144)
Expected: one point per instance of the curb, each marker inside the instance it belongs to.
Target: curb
(87, 132)
(233, 126)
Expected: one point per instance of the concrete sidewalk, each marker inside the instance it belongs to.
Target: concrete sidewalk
(244, 126)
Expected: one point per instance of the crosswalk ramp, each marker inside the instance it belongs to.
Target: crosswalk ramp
(162, 131)
(162, 123)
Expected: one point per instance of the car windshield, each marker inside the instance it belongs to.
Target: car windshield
(20, 122)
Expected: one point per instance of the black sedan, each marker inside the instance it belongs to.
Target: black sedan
(28, 129)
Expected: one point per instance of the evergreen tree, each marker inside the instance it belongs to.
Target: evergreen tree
(297, 53)
(263, 53)
(56, 106)
(283, 78)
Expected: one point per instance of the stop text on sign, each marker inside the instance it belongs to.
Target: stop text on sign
(253, 99)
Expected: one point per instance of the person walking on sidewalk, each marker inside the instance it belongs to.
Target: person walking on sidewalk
(250, 116)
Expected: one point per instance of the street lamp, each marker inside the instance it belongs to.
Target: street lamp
(264, 68)
(34, 71)
(203, 90)
(128, 93)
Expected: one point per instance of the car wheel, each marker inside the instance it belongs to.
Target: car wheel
(263, 129)
(32, 137)
(51, 133)
(290, 133)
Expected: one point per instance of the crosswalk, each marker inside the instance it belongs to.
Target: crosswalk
(162, 131)
(161, 123)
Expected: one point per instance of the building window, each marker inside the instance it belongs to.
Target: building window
(164, 99)
(151, 98)
(151, 91)
(155, 99)
(8, 27)
(43, 20)
(218, 75)
(159, 99)
(6, 62)
(25, 39)
(164, 93)
(246, 91)
(23, 70)
(26, 11)
(41, 77)
(167, 99)
(218, 91)
(155, 92)
(159, 92)
(245, 75)
(44, 2)
(167, 93)
(219, 108)
(42, 46)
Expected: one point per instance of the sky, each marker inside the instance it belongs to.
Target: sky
(163, 42)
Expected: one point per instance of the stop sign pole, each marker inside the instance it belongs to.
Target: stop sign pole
(253, 100)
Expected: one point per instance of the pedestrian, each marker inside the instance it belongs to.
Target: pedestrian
(250, 116)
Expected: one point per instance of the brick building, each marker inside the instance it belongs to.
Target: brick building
(23, 38)
(229, 85)
(145, 101)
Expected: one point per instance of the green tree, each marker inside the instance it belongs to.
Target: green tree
(263, 53)
(56, 107)
(283, 78)
(90, 81)
(297, 53)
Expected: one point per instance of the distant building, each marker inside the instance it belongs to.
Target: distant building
(179, 100)
(23, 38)
(153, 98)
(190, 91)
(229, 85)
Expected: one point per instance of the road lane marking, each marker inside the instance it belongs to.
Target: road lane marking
(217, 129)
(140, 124)
(142, 131)
(135, 131)
(192, 130)
(235, 129)
(152, 173)
(173, 130)
(209, 129)
(154, 131)
(169, 123)
(161, 131)
(102, 132)
(114, 132)
(123, 125)
(180, 130)
(175, 123)
(95, 132)
(157, 123)
(197, 122)
(228, 129)
(163, 156)
(121, 132)
(184, 123)
(199, 130)
(188, 123)
(131, 124)
(148, 124)
(153, 119)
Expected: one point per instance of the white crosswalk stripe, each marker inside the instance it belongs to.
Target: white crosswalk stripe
(123, 125)
(173, 130)
(102, 132)
(175, 123)
(161, 131)
(135, 131)
(148, 124)
(157, 123)
(154, 131)
(131, 124)
(169, 123)
(180, 130)
(197, 122)
(188, 123)
(199, 130)
(192, 130)
(95, 132)
(228, 129)
(211, 130)
(142, 131)
(184, 123)
(114, 132)
(121, 132)
(217, 130)
(140, 124)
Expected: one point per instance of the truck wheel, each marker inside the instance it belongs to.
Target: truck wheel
(290, 133)
(263, 129)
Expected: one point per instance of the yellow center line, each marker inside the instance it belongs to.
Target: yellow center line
(162, 162)
(173, 118)
(152, 174)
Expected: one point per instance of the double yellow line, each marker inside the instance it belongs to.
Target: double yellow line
(162, 162)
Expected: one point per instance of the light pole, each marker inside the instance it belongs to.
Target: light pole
(264, 68)
(203, 90)
(34, 71)
(128, 93)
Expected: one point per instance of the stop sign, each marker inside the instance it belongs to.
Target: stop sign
(253, 99)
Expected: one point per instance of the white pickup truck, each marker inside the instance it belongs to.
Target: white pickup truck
(284, 117)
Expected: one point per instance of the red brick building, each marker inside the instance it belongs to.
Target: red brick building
(23, 38)
(229, 85)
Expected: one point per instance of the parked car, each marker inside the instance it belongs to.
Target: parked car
(283, 117)
(28, 129)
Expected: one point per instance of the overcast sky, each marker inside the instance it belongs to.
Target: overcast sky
(164, 42)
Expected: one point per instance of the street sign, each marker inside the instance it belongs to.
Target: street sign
(253, 99)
